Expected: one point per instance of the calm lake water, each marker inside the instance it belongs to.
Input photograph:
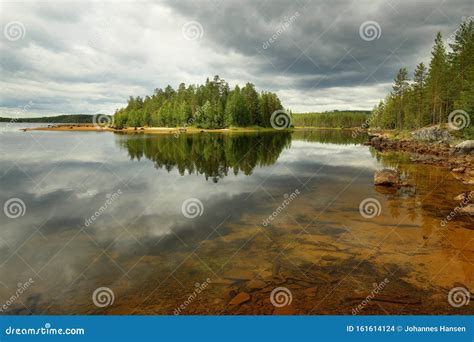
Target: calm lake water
(166, 224)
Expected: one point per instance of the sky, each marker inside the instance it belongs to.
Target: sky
(61, 57)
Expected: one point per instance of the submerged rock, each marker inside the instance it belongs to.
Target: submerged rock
(465, 197)
(387, 177)
(256, 284)
(467, 210)
(241, 298)
(459, 169)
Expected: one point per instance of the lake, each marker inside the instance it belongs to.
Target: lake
(103, 223)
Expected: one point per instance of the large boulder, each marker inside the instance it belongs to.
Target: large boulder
(466, 147)
(387, 177)
(433, 133)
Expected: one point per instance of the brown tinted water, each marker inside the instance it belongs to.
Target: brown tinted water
(227, 260)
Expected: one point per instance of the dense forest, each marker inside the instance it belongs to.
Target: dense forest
(446, 85)
(211, 105)
(68, 118)
(333, 119)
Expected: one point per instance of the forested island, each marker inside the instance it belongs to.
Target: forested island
(211, 105)
(447, 85)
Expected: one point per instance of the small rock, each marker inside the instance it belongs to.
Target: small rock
(466, 147)
(311, 292)
(222, 281)
(465, 197)
(241, 298)
(256, 284)
(267, 289)
(459, 169)
(386, 177)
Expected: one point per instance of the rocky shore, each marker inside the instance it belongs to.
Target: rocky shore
(432, 146)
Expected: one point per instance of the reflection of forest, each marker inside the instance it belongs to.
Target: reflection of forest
(212, 155)
(331, 136)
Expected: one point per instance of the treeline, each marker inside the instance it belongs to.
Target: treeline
(446, 85)
(68, 118)
(211, 105)
(333, 119)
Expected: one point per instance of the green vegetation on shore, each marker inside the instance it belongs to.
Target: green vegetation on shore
(68, 118)
(333, 119)
(447, 85)
(212, 105)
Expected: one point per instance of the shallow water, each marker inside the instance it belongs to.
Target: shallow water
(154, 255)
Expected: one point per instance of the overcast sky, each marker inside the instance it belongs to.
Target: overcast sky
(88, 57)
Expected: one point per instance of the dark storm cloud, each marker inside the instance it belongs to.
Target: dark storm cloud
(323, 42)
(90, 56)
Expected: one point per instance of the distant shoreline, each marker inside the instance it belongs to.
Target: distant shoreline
(166, 130)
